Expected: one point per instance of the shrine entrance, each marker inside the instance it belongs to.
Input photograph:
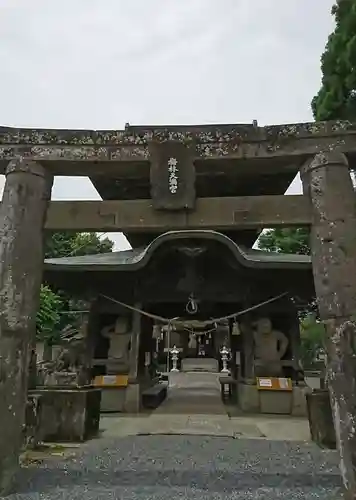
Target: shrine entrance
(194, 301)
(193, 339)
(193, 368)
(193, 393)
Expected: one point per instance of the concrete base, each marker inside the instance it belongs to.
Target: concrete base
(299, 406)
(248, 398)
(69, 415)
(132, 398)
(113, 399)
(274, 402)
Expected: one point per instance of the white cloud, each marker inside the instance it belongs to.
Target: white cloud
(89, 64)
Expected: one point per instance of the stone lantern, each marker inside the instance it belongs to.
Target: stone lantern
(225, 356)
(175, 353)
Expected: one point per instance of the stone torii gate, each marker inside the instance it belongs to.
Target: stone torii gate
(320, 151)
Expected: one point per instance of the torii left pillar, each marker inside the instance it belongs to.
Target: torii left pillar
(22, 216)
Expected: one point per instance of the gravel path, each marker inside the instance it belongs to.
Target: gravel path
(194, 467)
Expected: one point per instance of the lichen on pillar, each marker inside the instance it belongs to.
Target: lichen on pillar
(327, 182)
(22, 217)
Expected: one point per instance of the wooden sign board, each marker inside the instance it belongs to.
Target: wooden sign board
(274, 384)
(111, 381)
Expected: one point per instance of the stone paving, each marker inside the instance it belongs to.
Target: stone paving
(254, 426)
(194, 407)
(176, 453)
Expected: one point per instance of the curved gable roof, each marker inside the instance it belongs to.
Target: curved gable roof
(130, 260)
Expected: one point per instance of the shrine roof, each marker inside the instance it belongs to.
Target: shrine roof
(134, 259)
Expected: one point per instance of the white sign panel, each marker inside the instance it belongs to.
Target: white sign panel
(265, 382)
(283, 383)
(109, 379)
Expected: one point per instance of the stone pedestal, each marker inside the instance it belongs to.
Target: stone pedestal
(248, 398)
(70, 415)
(132, 398)
(275, 402)
(251, 400)
(299, 404)
(113, 399)
(59, 379)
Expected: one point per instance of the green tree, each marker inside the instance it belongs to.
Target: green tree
(285, 240)
(296, 241)
(48, 315)
(52, 315)
(312, 333)
(66, 244)
(336, 99)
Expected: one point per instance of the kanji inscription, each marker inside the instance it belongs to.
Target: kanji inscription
(172, 176)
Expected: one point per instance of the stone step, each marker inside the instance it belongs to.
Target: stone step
(200, 365)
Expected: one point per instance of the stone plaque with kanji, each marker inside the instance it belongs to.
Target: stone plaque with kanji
(172, 176)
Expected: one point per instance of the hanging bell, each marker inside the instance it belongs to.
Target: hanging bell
(235, 329)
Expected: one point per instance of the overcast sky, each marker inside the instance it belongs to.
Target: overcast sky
(97, 64)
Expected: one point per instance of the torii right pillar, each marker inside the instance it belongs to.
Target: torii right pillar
(327, 182)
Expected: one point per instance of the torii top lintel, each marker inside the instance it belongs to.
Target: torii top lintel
(240, 141)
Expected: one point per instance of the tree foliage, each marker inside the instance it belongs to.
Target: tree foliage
(312, 333)
(336, 99)
(67, 244)
(285, 240)
(53, 315)
(48, 315)
(296, 241)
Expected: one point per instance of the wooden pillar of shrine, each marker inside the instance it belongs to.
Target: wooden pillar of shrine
(135, 344)
(247, 361)
(327, 183)
(89, 329)
(22, 217)
(294, 336)
(133, 393)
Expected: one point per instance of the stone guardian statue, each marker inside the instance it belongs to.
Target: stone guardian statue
(119, 339)
(269, 348)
